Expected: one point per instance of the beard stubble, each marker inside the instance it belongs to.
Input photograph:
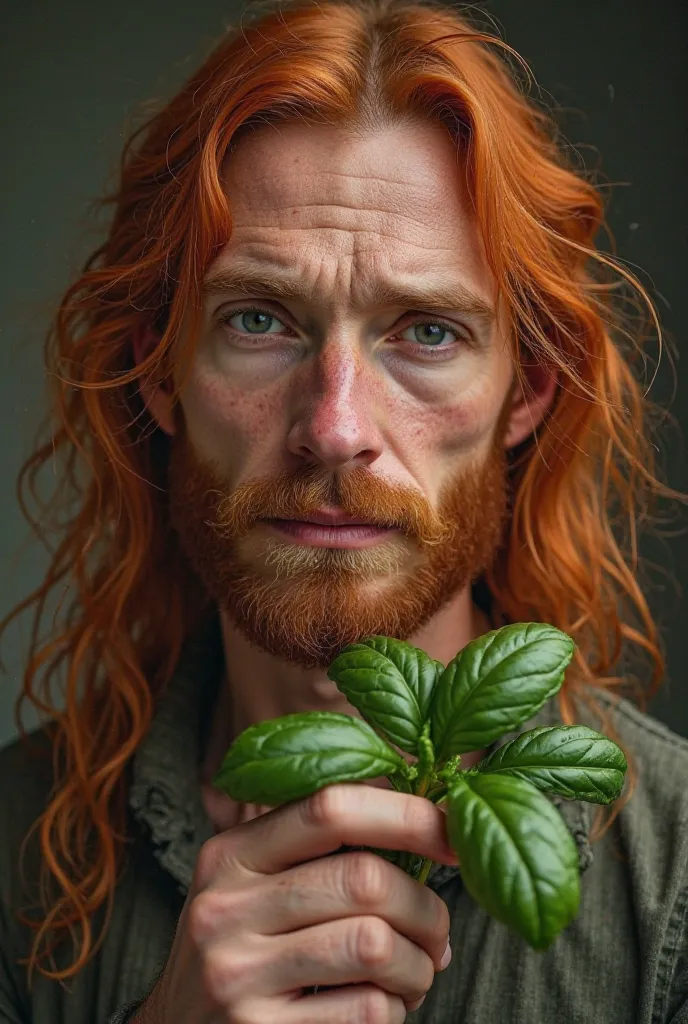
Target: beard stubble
(304, 604)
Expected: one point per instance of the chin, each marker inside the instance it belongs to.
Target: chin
(309, 622)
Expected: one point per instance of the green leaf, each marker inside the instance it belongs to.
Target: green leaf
(291, 757)
(391, 683)
(517, 857)
(495, 683)
(571, 760)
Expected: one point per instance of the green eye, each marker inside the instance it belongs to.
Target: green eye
(430, 334)
(253, 321)
(256, 322)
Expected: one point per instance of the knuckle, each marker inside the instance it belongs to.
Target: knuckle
(366, 882)
(221, 972)
(425, 975)
(374, 1007)
(209, 912)
(442, 917)
(208, 861)
(201, 918)
(325, 808)
(213, 973)
(373, 942)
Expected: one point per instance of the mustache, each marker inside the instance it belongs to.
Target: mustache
(359, 493)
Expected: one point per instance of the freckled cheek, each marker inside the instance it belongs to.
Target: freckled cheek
(467, 424)
(228, 424)
(446, 429)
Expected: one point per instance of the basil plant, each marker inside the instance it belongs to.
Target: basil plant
(517, 858)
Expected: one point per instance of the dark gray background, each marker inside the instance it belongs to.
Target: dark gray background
(69, 78)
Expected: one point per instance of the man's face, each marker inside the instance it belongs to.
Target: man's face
(334, 385)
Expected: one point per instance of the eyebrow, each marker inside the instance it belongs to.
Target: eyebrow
(435, 298)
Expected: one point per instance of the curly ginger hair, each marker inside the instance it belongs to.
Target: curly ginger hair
(580, 485)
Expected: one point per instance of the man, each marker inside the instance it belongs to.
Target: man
(343, 366)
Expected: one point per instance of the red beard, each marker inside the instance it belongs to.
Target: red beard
(306, 603)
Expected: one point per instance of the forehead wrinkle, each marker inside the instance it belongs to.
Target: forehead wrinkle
(364, 181)
(273, 186)
(353, 228)
(358, 234)
(268, 281)
(415, 204)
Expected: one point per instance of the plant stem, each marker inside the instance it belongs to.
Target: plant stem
(425, 870)
(428, 862)
(422, 787)
(424, 780)
(426, 763)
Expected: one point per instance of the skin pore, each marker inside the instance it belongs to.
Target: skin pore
(311, 357)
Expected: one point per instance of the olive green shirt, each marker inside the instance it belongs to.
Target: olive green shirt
(624, 959)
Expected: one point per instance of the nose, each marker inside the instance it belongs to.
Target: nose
(335, 419)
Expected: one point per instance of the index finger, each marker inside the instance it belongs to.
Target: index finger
(350, 814)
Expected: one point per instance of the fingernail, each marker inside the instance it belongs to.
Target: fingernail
(446, 957)
(418, 1002)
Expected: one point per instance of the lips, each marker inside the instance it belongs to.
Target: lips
(332, 517)
(331, 528)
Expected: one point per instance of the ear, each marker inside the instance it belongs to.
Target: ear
(157, 397)
(530, 405)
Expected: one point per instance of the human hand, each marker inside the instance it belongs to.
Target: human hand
(273, 910)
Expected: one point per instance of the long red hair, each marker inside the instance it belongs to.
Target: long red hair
(580, 485)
